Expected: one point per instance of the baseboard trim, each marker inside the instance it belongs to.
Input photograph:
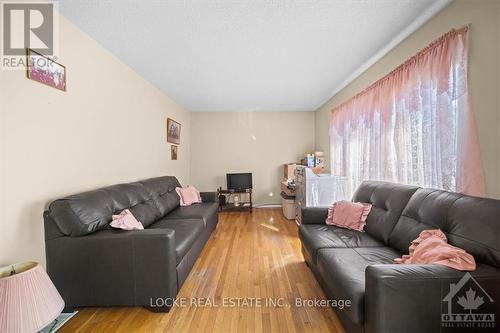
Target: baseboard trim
(267, 206)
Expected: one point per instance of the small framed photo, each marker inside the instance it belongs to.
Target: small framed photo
(173, 132)
(173, 152)
(45, 70)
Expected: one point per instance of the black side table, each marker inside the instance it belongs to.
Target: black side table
(224, 197)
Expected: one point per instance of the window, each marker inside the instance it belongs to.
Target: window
(413, 126)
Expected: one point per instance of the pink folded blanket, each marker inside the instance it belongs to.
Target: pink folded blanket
(431, 247)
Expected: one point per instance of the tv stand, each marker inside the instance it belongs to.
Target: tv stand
(226, 205)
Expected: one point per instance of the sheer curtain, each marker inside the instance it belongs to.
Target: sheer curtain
(414, 126)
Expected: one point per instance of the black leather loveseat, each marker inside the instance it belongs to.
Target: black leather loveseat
(387, 297)
(93, 265)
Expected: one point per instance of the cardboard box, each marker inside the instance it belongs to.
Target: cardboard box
(289, 170)
(319, 162)
(285, 189)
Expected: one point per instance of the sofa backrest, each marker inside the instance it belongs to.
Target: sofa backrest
(84, 213)
(388, 201)
(427, 209)
(474, 225)
(163, 189)
(470, 223)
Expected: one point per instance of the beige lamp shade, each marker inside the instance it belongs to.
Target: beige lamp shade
(29, 301)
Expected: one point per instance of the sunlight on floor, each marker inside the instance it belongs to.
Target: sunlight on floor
(270, 227)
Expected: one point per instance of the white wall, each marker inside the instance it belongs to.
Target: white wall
(109, 127)
(257, 142)
(484, 76)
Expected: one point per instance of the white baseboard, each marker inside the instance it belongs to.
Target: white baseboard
(267, 206)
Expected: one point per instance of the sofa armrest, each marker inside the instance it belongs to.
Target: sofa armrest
(208, 196)
(114, 267)
(314, 215)
(410, 298)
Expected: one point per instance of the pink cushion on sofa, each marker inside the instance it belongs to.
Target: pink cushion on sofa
(188, 195)
(431, 247)
(126, 221)
(349, 215)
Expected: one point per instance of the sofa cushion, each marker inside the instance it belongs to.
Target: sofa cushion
(343, 273)
(427, 209)
(84, 213)
(474, 225)
(206, 210)
(163, 189)
(319, 236)
(470, 223)
(388, 201)
(187, 231)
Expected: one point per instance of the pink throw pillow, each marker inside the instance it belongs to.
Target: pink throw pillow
(349, 215)
(188, 195)
(126, 221)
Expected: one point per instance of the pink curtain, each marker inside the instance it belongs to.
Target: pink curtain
(413, 126)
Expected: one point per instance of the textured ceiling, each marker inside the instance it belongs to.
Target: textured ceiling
(247, 55)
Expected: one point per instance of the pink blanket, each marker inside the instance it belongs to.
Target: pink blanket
(126, 221)
(431, 247)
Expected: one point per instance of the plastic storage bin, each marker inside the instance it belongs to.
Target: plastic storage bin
(318, 190)
(288, 205)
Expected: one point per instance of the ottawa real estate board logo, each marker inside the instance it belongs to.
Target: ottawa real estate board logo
(27, 25)
(468, 306)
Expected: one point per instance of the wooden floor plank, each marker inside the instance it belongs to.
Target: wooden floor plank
(254, 255)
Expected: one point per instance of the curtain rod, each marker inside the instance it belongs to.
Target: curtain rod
(453, 32)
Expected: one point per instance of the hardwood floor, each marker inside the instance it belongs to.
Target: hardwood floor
(253, 255)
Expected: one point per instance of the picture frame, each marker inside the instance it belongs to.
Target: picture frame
(173, 131)
(45, 70)
(173, 152)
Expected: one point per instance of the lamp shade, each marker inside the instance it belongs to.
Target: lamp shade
(29, 301)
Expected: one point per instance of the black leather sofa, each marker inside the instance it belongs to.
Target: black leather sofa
(92, 264)
(387, 297)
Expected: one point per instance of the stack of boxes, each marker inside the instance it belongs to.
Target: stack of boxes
(316, 162)
(288, 191)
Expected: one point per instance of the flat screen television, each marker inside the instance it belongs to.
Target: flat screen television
(239, 181)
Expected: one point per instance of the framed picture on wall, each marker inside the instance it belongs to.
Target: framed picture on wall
(45, 70)
(173, 152)
(173, 131)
